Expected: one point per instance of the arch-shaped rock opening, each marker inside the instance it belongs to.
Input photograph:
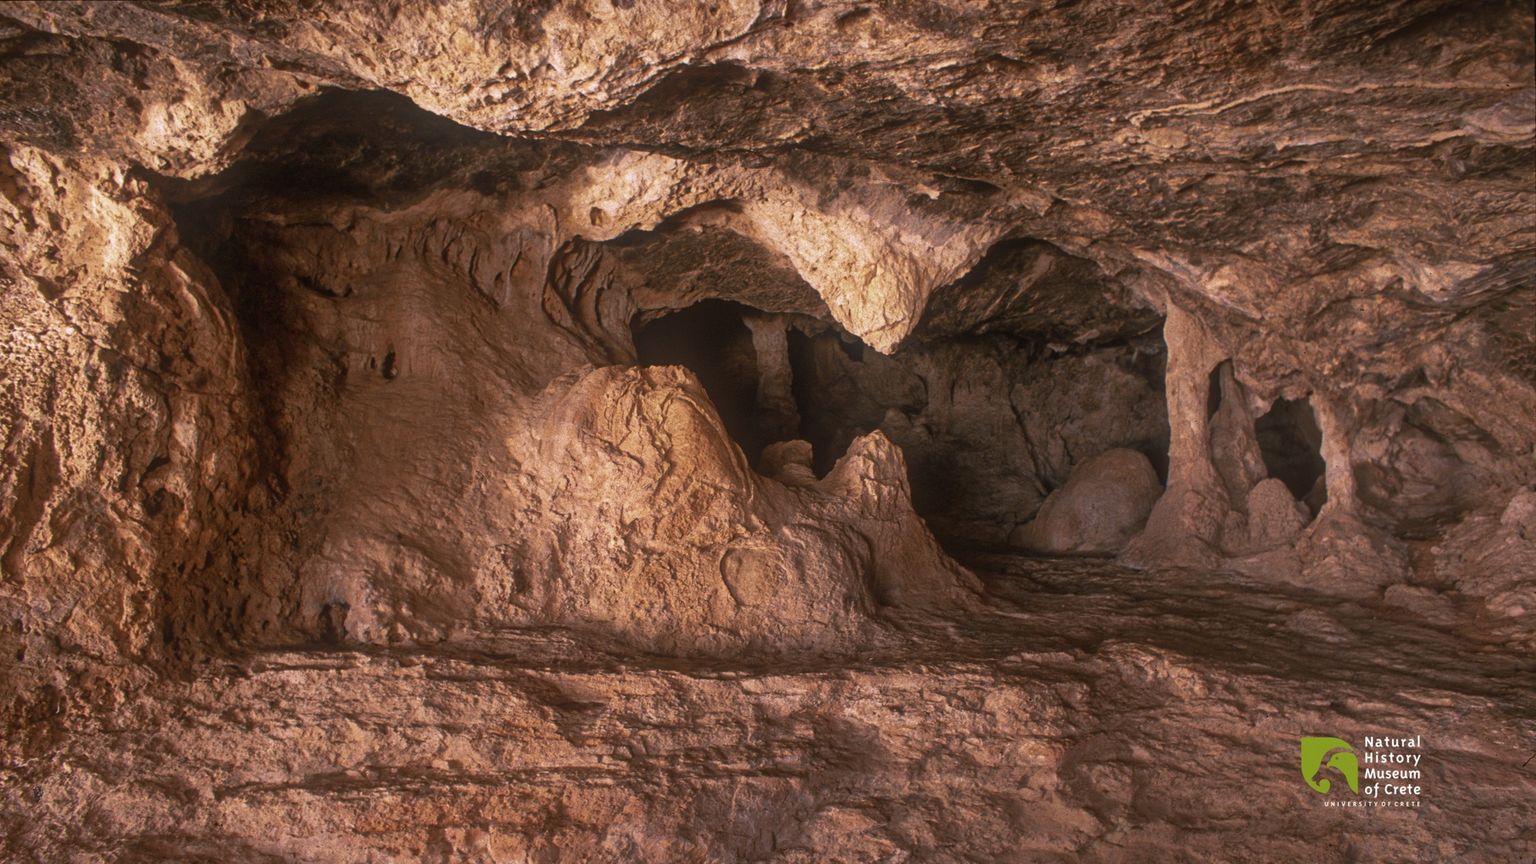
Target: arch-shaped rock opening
(844, 391)
(989, 426)
(1213, 389)
(1291, 442)
(1025, 368)
(732, 348)
(331, 464)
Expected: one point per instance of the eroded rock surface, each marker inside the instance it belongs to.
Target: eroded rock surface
(1089, 714)
(441, 430)
(1105, 503)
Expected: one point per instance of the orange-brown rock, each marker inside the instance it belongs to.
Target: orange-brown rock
(642, 431)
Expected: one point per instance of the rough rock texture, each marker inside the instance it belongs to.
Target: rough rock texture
(440, 430)
(1105, 503)
(1091, 714)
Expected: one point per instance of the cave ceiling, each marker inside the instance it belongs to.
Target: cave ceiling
(765, 430)
(1269, 159)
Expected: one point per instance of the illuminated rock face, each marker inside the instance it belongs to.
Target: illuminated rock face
(643, 432)
(1105, 503)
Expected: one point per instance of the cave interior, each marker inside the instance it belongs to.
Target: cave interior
(770, 431)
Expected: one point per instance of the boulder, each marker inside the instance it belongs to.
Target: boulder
(1104, 503)
(1274, 516)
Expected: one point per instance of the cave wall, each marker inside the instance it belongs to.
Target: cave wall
(990, 427)
(347, 511)
(215, 388)
(507, 506)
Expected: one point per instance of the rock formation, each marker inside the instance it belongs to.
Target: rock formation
(1105, 503)
(764, 430)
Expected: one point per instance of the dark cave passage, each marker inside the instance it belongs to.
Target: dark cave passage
(1291, 442)
(1285, 443)
(767, 431)
(836, 406)
(989, 425)
(774, 377)
(1213, 388)
(730, 347)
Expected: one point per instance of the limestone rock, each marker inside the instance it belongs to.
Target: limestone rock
(1104, 503)
(1274, 517)
(608, 431)
(789, 462)
(1520, 514)
(680, 547)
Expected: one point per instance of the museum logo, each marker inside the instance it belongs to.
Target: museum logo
(1389, 767)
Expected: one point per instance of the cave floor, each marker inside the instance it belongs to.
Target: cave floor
(1087, 713)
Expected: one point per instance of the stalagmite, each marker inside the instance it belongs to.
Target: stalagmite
(767, 431)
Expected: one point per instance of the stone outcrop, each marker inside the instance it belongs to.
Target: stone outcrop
(632, 431)
(1104, 504)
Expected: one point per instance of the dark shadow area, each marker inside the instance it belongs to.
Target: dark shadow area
(835, 405)
(1213, 388)
(372, 146)
(711, 339)
(1291, 443)
(1032, 289)
(988, 425)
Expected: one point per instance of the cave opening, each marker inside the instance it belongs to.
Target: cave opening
(770, 377)
(1213, 388)
(1032, 363)
(1291, 442)
(1025, 368)
(711, 338)
(989, 425)
(844, 392)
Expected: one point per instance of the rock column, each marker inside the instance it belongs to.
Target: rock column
(776, 414)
